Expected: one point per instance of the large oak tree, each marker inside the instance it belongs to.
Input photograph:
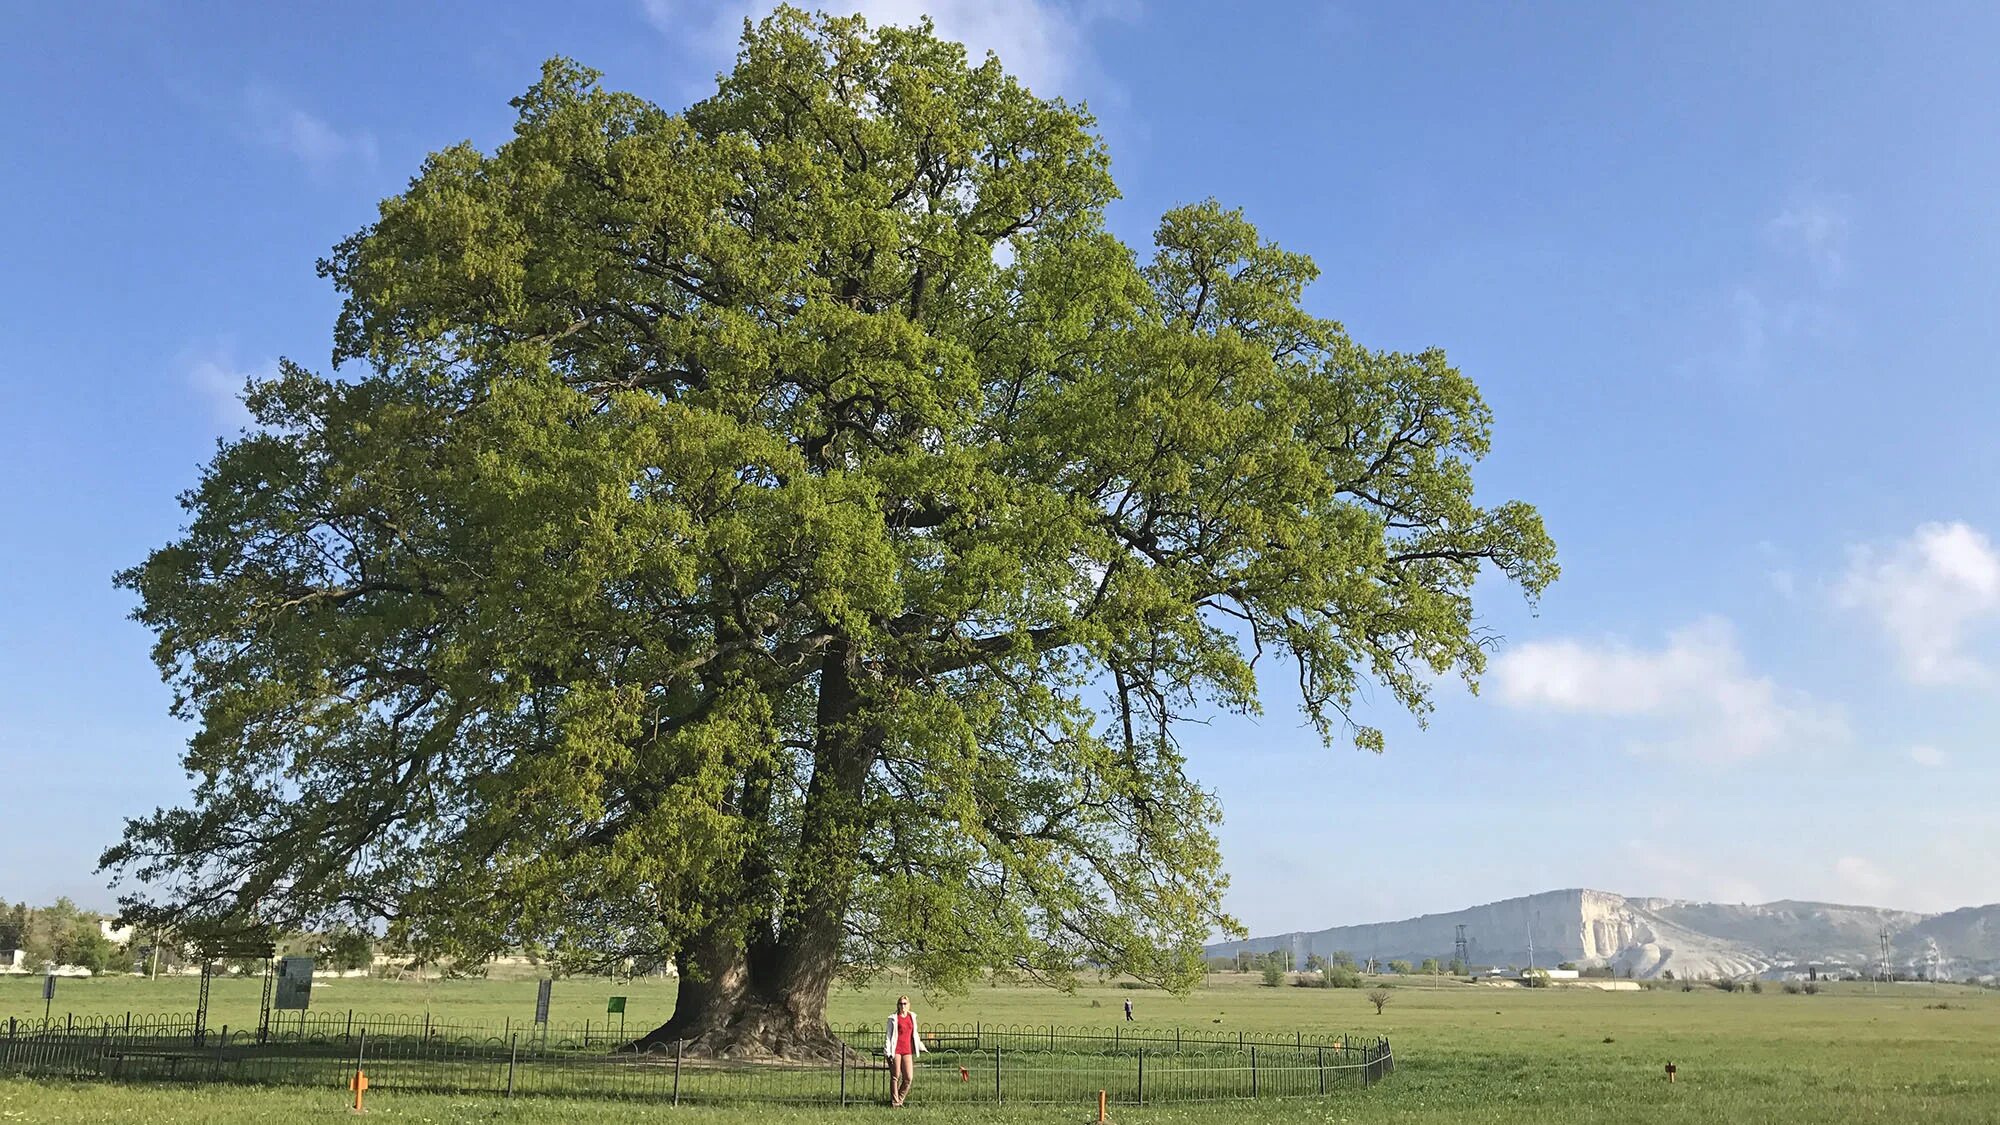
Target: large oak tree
(782, 536)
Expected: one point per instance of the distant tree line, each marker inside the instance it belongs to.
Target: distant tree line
(67, 935)
(62, 933)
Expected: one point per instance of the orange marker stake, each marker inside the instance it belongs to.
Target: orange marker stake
(359, 1084)
(1101, 1118)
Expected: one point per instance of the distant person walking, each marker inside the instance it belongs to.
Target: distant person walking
(1128, 1011)
(901, 1045)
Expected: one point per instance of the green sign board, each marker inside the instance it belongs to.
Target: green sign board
(615, 1005)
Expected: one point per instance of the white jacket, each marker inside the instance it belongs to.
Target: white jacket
(889, 1037)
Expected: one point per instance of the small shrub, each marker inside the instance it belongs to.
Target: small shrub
(1792, 988)
(1810, 988)
(1273, 976)
(1337, 977)
(1940, 1006)
(1380, 998)
(1097, 1003)
(1756, 986)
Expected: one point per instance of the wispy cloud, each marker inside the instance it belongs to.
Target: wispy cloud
(1774, 305)
(1862, 878)
(274, 120)
(1814, 228)
(1694, 698)
(218, 381)
(1927, 756)
(1041, 42)
(1930, 594)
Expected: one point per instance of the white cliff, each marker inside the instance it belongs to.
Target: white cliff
(1650, 936)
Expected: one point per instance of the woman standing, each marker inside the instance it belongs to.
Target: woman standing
(901, 1046)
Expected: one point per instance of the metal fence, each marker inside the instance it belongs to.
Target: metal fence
(968, 1064)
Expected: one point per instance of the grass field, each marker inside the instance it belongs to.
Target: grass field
(1464, 1053)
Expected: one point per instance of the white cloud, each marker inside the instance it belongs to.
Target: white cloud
(1928, 593)
(218, 380)
(1815, 229)
(1927, 756)
(1693, 699)
(1758, 319)
(275, 121)
(1665, 870)
(1041, 42)
(1861, 877)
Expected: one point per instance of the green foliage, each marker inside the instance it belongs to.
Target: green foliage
(1273, 976)
(1340, 976)
(1380, 997)
(60, 934)
(1535, 978)
(792, 530)
(1342, 959)
(1430, 966)
(347, 948)
(13, 926)
(1403, 967)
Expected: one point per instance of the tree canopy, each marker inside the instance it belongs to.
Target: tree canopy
(784, 536)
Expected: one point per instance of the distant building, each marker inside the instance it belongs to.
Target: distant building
(112, 931)
(1497, 973)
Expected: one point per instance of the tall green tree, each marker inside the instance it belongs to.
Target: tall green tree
(784, 536)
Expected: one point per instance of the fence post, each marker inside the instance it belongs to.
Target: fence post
(1142, 1076)
(843, 1072)
(1253, 1070)
(677, 1070)
(1177, 1040)
(513, 1056)
(220, 1040)
(977, 1038)
(349, 1037)
(128, 1023)
(1322, 1070)
(996, 1074)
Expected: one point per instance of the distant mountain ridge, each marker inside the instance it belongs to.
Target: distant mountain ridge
(1650, 936)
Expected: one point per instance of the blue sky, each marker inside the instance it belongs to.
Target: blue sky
(1727, 273)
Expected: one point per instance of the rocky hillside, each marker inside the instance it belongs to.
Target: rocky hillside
(1650, 936)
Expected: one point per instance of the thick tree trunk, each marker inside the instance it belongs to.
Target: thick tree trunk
(769, 1001)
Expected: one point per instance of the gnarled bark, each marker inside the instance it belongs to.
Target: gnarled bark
(767, 998)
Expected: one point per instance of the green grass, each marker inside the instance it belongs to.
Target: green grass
(1464, 1054)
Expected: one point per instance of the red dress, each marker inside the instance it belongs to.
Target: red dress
(906, 1034)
